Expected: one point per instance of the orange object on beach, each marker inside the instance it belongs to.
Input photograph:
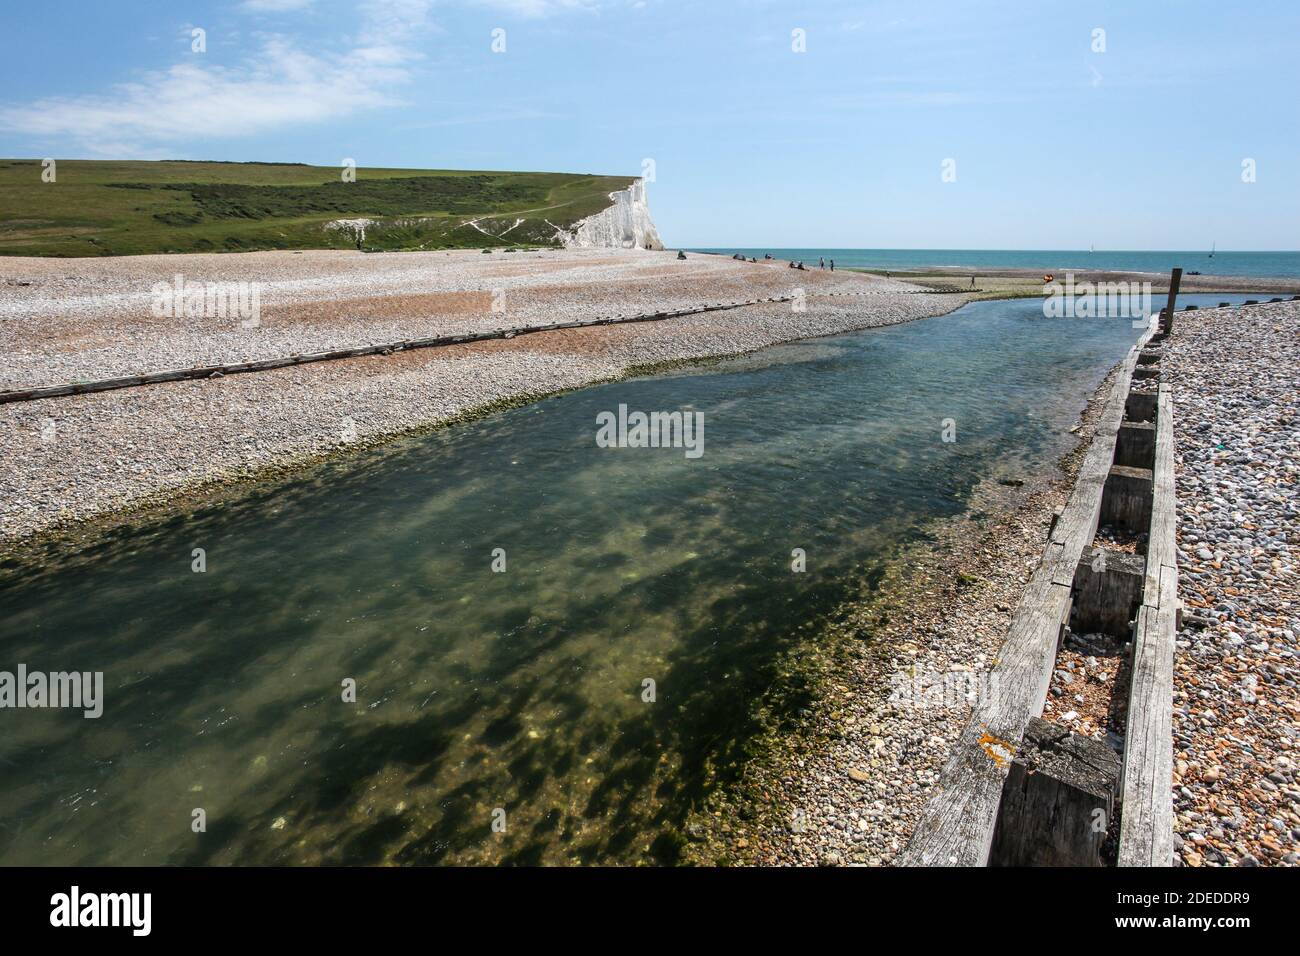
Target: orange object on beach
(1048, 277)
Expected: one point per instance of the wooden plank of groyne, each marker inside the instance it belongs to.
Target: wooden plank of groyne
(1107, 592)
(956, 827)
(1077, 525)
(1147, 824)
(1135, 445)
(1126, 500)
(958, 822)
(1141, 406)
(1162, 549)
(1146, 836)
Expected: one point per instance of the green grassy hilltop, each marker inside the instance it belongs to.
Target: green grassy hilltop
(106, 208)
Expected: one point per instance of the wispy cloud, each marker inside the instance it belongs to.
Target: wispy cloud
(532, 9)
(275, 6)
(279, 84)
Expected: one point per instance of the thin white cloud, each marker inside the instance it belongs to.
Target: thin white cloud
(532, 9)
(275, 6)
(280, 84)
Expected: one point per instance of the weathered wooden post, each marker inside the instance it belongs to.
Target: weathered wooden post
(1135, 445)
(1140, 406)
(1126, 499)
(1107, 593)
(1175, 279)
(1057, 800)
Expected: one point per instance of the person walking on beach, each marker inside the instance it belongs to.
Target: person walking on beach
(832, 265)
(821, 263)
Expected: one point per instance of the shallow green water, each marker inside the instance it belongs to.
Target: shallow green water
(519, 690)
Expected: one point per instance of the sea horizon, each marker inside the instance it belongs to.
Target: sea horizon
(1275, 264)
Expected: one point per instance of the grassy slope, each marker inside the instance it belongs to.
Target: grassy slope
(122, 208)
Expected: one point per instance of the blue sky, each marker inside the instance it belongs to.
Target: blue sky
(1055, 146)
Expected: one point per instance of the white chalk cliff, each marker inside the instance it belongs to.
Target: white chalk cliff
(626, 224)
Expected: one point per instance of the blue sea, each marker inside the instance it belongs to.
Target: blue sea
(1271, 264)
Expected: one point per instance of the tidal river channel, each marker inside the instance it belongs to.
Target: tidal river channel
(519, 696)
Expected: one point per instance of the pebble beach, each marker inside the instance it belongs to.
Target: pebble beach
(73, 320)
(79, 457)
(1236, 720)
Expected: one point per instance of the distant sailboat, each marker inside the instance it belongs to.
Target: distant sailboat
(1091, 248)
(1211, 250)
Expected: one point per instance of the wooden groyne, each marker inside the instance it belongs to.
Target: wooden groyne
(1018, 790)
